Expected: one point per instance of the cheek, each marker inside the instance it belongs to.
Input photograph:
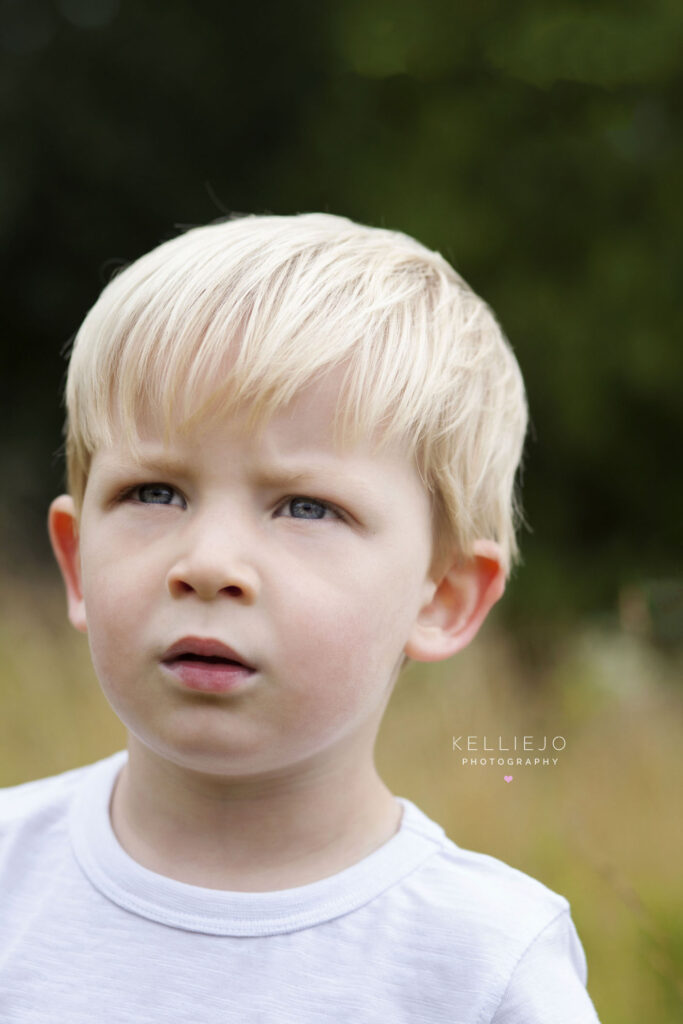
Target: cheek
(353, 628)
(339, 672)
(114, 612)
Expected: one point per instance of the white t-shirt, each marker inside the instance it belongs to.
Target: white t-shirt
(419, 931)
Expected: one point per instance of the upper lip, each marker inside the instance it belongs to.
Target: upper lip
(208, 647)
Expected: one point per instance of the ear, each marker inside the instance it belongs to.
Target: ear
(461, 602)
(62, 525)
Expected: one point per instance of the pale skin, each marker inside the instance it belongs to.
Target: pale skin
(275, 785)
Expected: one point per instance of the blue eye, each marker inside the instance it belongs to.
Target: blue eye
(307, 508)
(154, 494)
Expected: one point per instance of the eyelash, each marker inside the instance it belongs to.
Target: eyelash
(129, 494)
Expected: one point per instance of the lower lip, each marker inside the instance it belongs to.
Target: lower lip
(209, 677)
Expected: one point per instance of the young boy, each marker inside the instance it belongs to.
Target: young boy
(291, 448)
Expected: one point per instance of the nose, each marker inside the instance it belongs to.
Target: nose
(214, 561)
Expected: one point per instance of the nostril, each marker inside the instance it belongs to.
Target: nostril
(209, 578)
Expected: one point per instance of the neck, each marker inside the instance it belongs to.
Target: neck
(251, 833)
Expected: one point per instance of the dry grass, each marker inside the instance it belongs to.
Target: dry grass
(602, 827)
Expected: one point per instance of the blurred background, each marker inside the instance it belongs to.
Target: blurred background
(538, 147)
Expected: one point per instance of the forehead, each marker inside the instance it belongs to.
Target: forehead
(307, 428)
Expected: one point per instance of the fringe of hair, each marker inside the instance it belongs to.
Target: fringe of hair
(246, 312)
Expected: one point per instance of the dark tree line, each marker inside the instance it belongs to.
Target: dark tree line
(537, 146)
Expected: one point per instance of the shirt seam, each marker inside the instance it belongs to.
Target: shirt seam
(223, 927)
(282, 923)
(562, 913)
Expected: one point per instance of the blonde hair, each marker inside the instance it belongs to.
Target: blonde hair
(262, 305)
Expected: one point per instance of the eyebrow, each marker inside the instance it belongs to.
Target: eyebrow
(162, 462)
(267, 475)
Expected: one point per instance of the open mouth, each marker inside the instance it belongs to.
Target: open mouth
(209, 659)
(212, 673)
(205, 651)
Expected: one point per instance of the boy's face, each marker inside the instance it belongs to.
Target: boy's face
(310, 563)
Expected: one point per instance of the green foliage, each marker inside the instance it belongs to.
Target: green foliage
(537, 146)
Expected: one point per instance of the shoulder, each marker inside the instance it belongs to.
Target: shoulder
(41, 805)
(500, 899)
(34, 832)
(492, 899)
(30, 799)
(503, 934)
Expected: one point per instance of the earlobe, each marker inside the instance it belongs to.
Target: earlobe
(62, 527)
(462, 600)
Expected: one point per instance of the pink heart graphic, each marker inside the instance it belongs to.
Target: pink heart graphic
(508, 778)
